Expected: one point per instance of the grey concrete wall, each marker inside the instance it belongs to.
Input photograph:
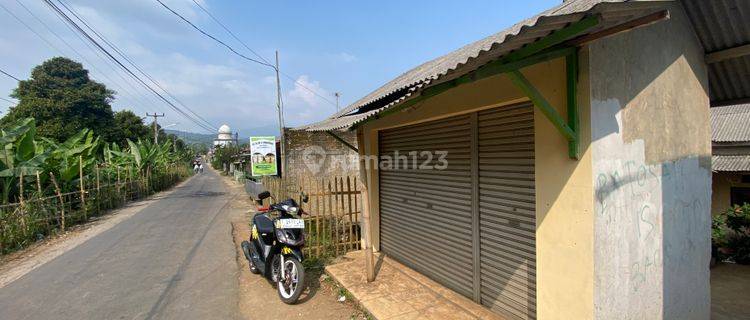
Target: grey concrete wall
(651, 170)
(318, 155)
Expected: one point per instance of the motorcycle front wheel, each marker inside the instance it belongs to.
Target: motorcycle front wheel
(293, 282)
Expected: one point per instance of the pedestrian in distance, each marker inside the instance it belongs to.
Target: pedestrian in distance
(195, 168)
(200, 167)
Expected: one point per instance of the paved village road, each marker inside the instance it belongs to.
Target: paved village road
(175, 259)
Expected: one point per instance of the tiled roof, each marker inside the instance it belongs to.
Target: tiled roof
(730, 163)
(730, 123)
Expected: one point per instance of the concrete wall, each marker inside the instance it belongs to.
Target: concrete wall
(318, 155)
(651, 171)
(564, 191)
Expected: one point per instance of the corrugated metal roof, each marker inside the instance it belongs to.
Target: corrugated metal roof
(730, 163)
(472, 56)
(723, 24)
(719, 25)
(730, 123)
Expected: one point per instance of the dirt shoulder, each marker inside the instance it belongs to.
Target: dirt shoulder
(17, 264)
(259, 298)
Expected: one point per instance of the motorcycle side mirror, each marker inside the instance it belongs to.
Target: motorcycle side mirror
(305, 198)
(263, 195)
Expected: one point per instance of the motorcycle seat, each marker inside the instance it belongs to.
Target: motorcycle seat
(263, 223)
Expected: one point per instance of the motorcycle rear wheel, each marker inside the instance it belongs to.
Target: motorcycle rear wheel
(290, 287)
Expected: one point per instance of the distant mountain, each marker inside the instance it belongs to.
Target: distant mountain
(193, 138)
(206, 139)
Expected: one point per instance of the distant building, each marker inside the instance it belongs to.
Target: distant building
(225, 137)
(731, 156)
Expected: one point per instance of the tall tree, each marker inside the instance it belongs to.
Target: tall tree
(63, 100)
(128, 125)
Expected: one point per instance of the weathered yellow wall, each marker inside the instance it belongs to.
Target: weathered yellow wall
(565, 209)
(651, 156)
(721, 184)
(564, 191)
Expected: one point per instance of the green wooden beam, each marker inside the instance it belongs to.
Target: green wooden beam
(491, 69)
(344, 142)
(554, 38)
(540, 102)
(571, 82)
(498, 67)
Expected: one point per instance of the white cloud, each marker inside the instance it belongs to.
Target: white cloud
(345, 57)
(306, 90)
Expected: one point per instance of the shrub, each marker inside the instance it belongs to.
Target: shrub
(731, 234)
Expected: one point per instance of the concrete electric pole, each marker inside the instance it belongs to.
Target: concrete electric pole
(280, 109)
(338, 95)
(156, 128)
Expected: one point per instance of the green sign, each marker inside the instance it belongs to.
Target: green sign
(263, 159)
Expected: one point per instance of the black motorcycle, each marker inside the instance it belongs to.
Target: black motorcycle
(275, 246)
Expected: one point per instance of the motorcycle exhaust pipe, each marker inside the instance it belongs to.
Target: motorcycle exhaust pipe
(246, 249)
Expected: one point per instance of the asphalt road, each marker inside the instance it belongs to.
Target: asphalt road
(175, 259)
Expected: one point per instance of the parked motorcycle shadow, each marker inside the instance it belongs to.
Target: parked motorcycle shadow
(313, 285)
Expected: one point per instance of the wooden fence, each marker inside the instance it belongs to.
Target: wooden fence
(37, 214)
(333, 212)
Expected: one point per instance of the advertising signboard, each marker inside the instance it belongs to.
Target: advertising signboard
(263, 159)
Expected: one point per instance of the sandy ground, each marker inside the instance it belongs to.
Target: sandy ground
(730, 286)
(259, 298)
(18, 264)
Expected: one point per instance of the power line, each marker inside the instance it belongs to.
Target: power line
(124, 67)
(118, 51)
(264, 62)
(31, 29)
(9, 75)
(8, 100)
(147, 98)
(230, 32)
(80, 55)
(118, 62)
(212, 37)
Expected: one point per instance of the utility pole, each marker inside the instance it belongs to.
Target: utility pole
(338, 95)
(156, 128)
(281, 116)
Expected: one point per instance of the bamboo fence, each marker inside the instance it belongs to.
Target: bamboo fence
(332, 212)
(40, 213)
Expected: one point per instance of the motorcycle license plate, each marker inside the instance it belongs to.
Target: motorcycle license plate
(291, 224)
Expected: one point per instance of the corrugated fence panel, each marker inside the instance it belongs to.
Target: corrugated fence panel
(425, 215)
(506, 210)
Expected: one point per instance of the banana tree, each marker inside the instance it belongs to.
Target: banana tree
(67, 158)
(21, 154)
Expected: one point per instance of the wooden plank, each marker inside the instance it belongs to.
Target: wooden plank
(331, 219)
(727, 54)
(349, 213)
(317, 216)
(333, 201)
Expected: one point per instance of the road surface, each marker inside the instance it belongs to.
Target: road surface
(175, 259)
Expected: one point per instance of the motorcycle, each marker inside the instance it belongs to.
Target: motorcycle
(274, 249)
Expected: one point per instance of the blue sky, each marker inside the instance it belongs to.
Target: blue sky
(351, 47)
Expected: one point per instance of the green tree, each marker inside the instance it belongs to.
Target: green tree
(128, 125)
(63, 100)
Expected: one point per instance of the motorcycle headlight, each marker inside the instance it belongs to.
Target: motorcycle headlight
(288, 237)
(292, 210)
(281, 236)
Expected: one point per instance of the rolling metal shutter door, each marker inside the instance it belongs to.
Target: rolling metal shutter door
(507, 218)
(425, 215)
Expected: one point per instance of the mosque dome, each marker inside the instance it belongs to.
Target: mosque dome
(225, 129)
